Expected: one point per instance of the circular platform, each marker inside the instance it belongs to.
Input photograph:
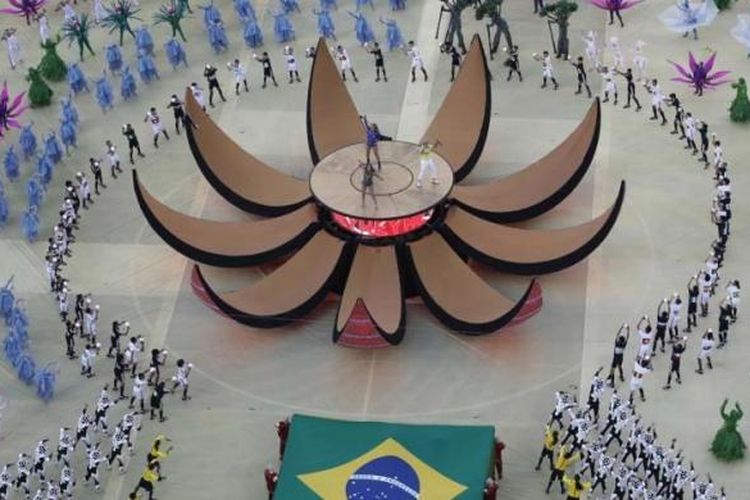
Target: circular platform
(336, 182)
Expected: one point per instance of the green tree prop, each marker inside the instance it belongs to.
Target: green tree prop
(739, 111)
(493, 9)
(728, 444)
(52, 67)
(78, 31)
(118, 17)
(559, 13)
(39, 92)
(171, 13)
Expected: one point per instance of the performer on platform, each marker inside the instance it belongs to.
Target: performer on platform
(373, 138)
(426, 162)
(368, 187)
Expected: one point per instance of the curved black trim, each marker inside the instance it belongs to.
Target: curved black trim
(231, 196)
(394, 338)
(215, 259)
(314, 156)
(471, 161)
(555, 198)
(276, 320)
(536, 268)
(452, 322)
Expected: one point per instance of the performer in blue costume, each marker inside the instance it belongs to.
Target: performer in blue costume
(34, 191)
(398, 4)
(68, 111)
(244, 10)
(104, 94)
(113, 54)
(4, 208)
(684, 17)
(26, 368)
(44, 169)
(68, 134)
(217, 37)
(282, 28)
(30, 224)
(289, 6)
(77, 79)
(52, 148)
(328, 5)
(393, 34)
(7, 299)
(362, 28)
(27, 141)
(143, 40)
(361, 3)
(11, 164)
(210, 14)
(252, 34)
(175, 53)
(45, 382)
(147, 67)
(128, 87)
(19, 323)
(12, 350)
(326, 29)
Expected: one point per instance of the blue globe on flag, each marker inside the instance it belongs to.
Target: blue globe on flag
(387, 477)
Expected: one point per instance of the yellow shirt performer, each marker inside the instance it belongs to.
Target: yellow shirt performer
(564, 460)
(574, 487)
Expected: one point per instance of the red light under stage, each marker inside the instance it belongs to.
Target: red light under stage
(373, 228)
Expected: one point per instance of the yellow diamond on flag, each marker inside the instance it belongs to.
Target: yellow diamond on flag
(388, 471)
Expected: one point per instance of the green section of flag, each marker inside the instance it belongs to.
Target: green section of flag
(321, 448)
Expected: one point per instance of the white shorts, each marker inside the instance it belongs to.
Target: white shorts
(636, 383)
(293, 66)
(547, 73)
(417, 62)
(425, 165)
(345, 64)
(674, 321)
(611, 87)
(113, 159)
(156, 128)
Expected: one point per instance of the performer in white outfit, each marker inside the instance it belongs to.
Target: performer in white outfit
(240, 75)
(345, 63)
(426, 162)
(15, 56)
(198, 95)
(640, 61)
(153, 118)
(416, 61)
(291, 64)
(657, 101)
(592, 50)
(45, 33)
(617, 58)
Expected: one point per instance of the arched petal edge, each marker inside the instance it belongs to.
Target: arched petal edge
(375, 281)
(527, 251)
(332, 118)
(227, 244)
(454, 294)
(292, 290)
(540, 186)
(239, 177)
(463, 119)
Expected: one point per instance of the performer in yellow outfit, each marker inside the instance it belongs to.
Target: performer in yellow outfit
(551, 438)
(157, 453)
(426, 162)
(564, 460)
(575, 487)
(150, 476)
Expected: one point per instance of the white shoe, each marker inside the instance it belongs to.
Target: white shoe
(419, 184)
(435, 181)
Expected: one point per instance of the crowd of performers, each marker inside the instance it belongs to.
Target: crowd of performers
(618, 455)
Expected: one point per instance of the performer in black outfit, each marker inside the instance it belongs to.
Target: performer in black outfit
(703, 131)
(213, 83)
(96, 169)
(265, 61)
(678, 115)
(583, 80)
(455, 59)
(621, 341)
(379, 62)
(631, 86)
(175, 104)
(693, 292)
(368, 172)
(513, 64)
(133, 145)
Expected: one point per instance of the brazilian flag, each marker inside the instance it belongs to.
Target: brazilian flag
(345, 460)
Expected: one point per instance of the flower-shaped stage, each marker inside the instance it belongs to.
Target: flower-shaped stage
(415, 243)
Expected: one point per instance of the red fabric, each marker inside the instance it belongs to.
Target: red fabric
(490, 491)
(381, 228)
(499, 447)
(282, 429)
